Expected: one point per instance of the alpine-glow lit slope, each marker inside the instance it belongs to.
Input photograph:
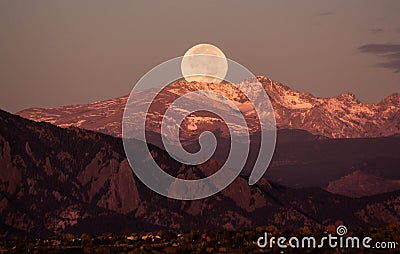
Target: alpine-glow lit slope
(337, 117)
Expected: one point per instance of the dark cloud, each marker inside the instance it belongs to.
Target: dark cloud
(327, 13)
(391, 52)
(377, 30)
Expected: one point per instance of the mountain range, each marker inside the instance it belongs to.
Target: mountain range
(336, 162)
(339, 117)
(56, 180)
(343, 117)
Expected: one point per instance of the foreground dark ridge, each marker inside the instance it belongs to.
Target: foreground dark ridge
(54, 181)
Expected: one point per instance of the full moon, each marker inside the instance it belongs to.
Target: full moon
(204, 63)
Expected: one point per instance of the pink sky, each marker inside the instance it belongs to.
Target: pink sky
(66, 52)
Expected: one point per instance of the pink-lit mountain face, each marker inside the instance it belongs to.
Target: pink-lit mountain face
(338, 117)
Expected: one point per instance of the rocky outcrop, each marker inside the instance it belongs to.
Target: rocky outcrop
(54, 181)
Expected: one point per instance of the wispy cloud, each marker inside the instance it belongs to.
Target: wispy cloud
(391, 52)
(326, 13)
(377, 30)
